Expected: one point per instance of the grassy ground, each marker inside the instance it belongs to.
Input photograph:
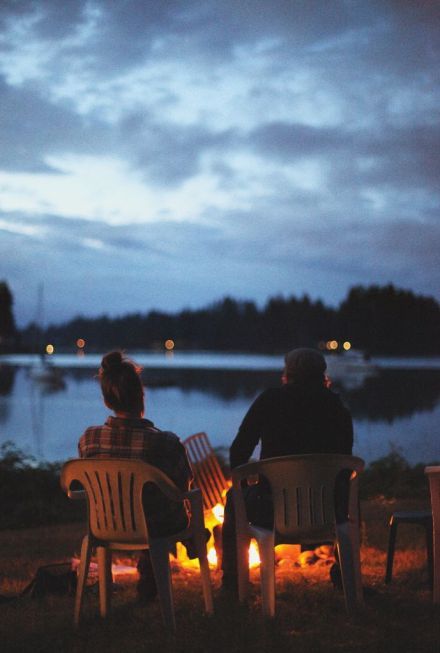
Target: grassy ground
(310, 613)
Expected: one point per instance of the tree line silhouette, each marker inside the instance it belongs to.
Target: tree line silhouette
(377, 319)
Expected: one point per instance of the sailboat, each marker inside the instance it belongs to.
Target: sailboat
(44, 371)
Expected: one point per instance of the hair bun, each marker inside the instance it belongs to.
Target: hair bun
(111, 360)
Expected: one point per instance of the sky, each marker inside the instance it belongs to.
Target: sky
(165, 154)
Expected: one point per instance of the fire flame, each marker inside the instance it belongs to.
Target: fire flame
(254, 556)
(219, 512)
(212, 557)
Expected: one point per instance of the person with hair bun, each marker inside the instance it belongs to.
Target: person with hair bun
(128, 434)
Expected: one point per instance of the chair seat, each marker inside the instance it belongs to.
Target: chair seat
(412, 517)
(419, 517)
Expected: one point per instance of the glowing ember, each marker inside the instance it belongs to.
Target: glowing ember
(254, 556)
(219, 512)
(212, 557)
(120, 572)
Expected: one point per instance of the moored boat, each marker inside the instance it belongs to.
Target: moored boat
(350, 368)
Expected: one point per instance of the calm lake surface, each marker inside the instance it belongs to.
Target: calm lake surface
(396, 407)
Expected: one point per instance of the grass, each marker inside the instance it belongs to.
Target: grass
(310, 614)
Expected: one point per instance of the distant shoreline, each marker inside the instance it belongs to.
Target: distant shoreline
(205, 360)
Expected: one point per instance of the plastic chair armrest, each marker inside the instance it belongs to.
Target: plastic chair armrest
(195, 499)
(77, 495)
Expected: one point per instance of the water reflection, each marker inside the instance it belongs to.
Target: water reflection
(388, 395)
(7, 377)
(394, 394)
(48, 424)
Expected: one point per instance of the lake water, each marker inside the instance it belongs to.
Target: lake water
(397, 407)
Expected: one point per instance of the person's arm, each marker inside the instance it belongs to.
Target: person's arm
(173, 460)
(248, 434)
(186, 470)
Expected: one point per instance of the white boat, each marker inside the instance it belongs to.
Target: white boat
(350, 368)
(46, 373)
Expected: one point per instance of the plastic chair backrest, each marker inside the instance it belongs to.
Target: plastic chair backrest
(208, 475)
(114, 495)
(303, 491)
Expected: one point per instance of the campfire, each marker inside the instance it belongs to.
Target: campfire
(290, 555)
(214, 520)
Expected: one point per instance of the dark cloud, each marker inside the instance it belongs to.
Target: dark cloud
(33, 128)
(170, 154)
(52, 19)
(291, 141)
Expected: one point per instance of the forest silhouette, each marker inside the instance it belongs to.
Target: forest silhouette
(376, 319)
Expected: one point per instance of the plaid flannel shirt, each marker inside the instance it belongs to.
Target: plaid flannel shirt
(139, 438)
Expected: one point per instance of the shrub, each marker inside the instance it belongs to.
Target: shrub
(392, 477)
(30, 494)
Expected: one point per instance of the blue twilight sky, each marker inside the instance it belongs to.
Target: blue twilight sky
(164, 154)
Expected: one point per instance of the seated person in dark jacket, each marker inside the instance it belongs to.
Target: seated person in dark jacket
(303, 416)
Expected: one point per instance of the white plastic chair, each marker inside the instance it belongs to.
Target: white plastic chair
(433, 474)
(116, 521)
(303, 490)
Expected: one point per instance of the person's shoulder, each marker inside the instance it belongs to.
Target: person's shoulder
(268, 397)
(334, 399)
(91, 436)
(169, 436)
(92, 430)
(95, 427)
(271, 393)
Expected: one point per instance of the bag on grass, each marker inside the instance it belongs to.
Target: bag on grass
(57, 579)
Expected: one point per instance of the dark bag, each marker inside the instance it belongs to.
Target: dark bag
(57, 579)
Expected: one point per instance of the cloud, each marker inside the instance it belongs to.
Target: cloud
(168, 153)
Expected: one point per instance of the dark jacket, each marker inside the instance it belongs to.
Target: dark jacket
(293, 420)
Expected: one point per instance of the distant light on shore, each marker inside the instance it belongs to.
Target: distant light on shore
(332, 345)
(347, 345)
(80, 343)
(169, 345)
(50, 349)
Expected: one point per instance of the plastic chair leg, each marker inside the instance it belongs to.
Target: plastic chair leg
(199, 540)
(206, 583)
(266, 544)
(355, 538)
(82, 577)
(430, 554)
(243, 542)
(159, 552)
(390, 555)
(347, 562)
(104, 557)
(436, 570)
